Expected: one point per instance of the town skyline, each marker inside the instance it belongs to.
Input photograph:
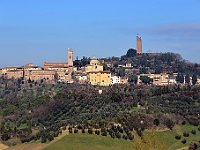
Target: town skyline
(99, 74)
(35, 31)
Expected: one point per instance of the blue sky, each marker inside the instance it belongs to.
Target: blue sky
(34, 31)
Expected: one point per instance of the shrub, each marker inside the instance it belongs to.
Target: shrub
(120, 129)
(64, 128)
(169, 123)
(156, 122)
(104, 133)
(50, 138)
(139, 132)
(125, 137)
(126, 129)
(35, 138)
(114, 128)
(43, 139)
(178, 137)
(130, 136)
(90, 130)
(70, 129)
(97, 132)
(118, 135)
(56, 133)
(26, 138)
(79, 127)
(5, 136)
(193, 131)
(112, 133)
(194, 121)
(60, 131)
(183, 122)
(83, 130)
(193, 146)
(186, 134)
(75, 130)
(184, 141)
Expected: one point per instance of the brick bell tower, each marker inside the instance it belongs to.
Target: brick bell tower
(70, 57)
(139, 44)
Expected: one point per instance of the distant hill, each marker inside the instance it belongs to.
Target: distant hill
(156, 62)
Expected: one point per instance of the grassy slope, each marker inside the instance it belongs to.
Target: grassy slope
(153, 140)
(90, 142)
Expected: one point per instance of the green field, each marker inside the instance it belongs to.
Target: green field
(153, 140)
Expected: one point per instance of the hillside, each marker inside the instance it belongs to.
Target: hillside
(41, 111)
(154, 63)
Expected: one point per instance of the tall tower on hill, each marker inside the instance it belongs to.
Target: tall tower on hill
(139, 44)
(70, 57)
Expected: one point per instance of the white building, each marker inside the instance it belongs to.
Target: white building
(115, 79)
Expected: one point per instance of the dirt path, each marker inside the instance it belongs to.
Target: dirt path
(2, 146)
(37, 146)
(183, 148)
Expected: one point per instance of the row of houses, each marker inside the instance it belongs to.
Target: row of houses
(50, 72)
(92, 73)
(34, 74)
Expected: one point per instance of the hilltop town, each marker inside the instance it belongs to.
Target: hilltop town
(135, 67)
(99, 75)
(127, 98)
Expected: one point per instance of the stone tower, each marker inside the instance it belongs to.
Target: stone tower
(70, 57)
(139, 44)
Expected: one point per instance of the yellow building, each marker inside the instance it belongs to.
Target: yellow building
(94, 65)
(101, 78)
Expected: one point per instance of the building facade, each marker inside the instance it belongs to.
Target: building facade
(55, 66)
(159, 79)
(60, 65)
(6, 69)
(101, 78)
(37, 75)
(81, 78)
(62, 70)
(52, 71)
(14, 74)
(94, 65)
(115, 80)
